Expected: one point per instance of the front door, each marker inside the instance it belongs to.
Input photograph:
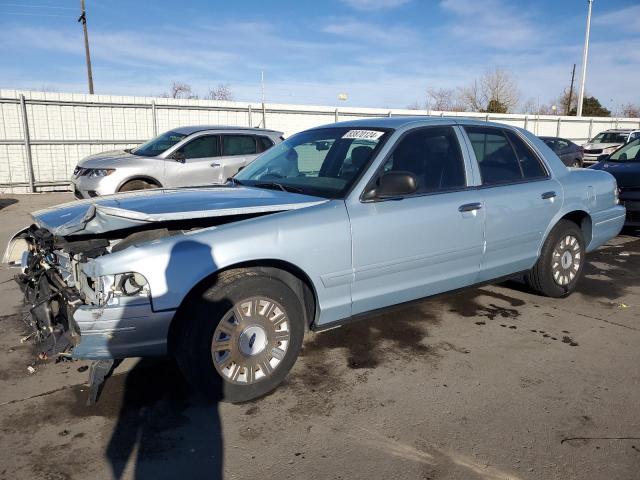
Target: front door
(196, 164)
(418, 245)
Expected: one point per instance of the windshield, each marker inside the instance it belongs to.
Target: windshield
(610, 137)
(158, 145)
(629, 153)
(323, 162)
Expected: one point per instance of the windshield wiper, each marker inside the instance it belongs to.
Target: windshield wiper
(278, 186)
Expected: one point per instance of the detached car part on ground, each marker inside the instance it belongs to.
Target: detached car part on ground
(183, 157)
(329, 225)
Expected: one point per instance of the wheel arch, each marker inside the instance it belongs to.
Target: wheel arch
(581, 218)
(144, 178)
(290, 274)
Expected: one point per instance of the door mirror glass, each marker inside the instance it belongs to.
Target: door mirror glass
(393, 184)
(179, 156)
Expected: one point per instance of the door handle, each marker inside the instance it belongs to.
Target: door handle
(214, 164)
(470, 207)
(548, 195)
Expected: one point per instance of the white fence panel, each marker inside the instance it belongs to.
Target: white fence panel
(64, 127)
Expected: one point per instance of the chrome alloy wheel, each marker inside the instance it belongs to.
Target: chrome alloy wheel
(566, 260)
(251, 340)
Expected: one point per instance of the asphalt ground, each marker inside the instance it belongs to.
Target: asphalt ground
(490, 383)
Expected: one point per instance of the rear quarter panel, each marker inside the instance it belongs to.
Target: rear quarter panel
(584, 190)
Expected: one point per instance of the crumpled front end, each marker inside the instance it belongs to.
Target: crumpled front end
(72, 314)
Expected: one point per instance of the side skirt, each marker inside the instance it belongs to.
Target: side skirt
(399, 306)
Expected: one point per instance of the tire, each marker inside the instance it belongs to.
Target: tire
(133, 185)
(577, 163)
(556, 273)
(237, 317)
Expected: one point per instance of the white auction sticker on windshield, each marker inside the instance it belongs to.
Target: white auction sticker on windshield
(363, 134)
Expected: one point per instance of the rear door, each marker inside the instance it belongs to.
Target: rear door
(238, 150)
(519, 195)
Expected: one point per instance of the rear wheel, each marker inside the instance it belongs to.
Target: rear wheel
(242, 336)
(577, 163)
(557, 271)
(137, 185)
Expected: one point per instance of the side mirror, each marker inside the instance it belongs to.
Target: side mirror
(179, 156)
(604, 157)
(322, 145)
(393, 184)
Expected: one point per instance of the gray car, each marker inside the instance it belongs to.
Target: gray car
(183, 157)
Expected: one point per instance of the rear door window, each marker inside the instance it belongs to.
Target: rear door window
(529, 162)
(497, 161)
(264, 143)
(238, 145)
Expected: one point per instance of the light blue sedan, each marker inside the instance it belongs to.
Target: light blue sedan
(326, 227)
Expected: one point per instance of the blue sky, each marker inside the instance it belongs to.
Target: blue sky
(382, 53)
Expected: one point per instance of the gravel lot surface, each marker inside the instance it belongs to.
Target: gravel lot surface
(491, 383)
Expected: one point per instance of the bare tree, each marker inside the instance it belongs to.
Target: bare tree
(631, 110)
(441, 99)
(495, 91)
(179, 90)
(221, 92)
(566, 102)
(534, 107)
(414, 106)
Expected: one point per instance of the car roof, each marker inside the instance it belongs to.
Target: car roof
(188, 130)
(403, 121)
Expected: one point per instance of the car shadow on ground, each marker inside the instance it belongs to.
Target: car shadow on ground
(163, 428)
(5, 202)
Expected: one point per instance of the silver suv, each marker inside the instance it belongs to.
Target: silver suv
(183, 157)
(607, 142)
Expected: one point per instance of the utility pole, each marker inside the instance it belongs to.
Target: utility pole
(585, 54)
(567, 108)
(83, 19)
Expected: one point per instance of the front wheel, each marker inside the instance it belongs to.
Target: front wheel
(558, 270)
(242, 336)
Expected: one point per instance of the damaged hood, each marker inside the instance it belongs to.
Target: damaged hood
(116, 212)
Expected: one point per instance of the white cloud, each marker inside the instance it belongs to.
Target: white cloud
(492, 23)
(625, 19)
(365, 5)
(385, 35)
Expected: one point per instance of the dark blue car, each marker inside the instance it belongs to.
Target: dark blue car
(624, 165)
